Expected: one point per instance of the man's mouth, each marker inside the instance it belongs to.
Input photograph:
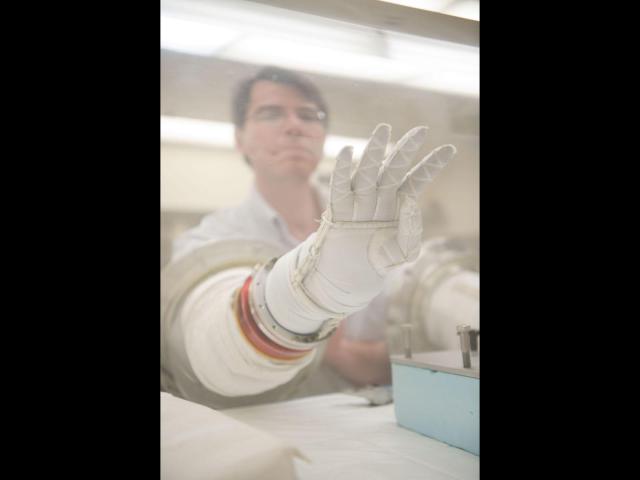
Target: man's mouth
(296, 148)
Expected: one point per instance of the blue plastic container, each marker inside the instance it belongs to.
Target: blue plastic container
(435, 396)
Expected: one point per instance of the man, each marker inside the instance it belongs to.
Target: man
(275, 340)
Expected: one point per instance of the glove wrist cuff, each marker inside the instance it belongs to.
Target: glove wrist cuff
(274, 329)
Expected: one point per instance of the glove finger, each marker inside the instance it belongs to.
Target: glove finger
(394, 170)
(366, 175)
(426, 170)
(341, 196)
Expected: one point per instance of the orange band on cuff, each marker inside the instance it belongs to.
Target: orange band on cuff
(255, 336)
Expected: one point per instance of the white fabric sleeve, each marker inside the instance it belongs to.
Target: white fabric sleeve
(220, 355)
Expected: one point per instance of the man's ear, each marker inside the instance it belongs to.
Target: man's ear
(239, 146)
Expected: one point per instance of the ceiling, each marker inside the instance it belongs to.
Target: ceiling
(199, 87)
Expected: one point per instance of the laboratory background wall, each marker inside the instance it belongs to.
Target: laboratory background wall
(201, 171)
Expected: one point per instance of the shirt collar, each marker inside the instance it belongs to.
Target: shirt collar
(257, 203)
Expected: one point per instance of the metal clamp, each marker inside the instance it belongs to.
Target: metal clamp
(269, 325)
(465, 344)
(473, 340)
(406, 339)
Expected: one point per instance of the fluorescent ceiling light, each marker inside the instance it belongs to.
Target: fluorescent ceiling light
(438, 65)
(312, 44)
(432, 65)
(267, 50)
(206, 133)
(196, 132)
(193, 37)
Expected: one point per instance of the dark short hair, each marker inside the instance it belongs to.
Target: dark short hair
(242, 93)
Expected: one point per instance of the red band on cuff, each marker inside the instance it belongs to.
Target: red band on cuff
(253, 333)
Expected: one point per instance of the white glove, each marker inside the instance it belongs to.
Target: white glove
(372, 224)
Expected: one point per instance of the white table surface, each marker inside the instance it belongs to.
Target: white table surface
(346, 438)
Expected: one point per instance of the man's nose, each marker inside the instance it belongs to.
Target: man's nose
(293, 124)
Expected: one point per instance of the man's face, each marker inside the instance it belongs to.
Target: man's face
(283, 134)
